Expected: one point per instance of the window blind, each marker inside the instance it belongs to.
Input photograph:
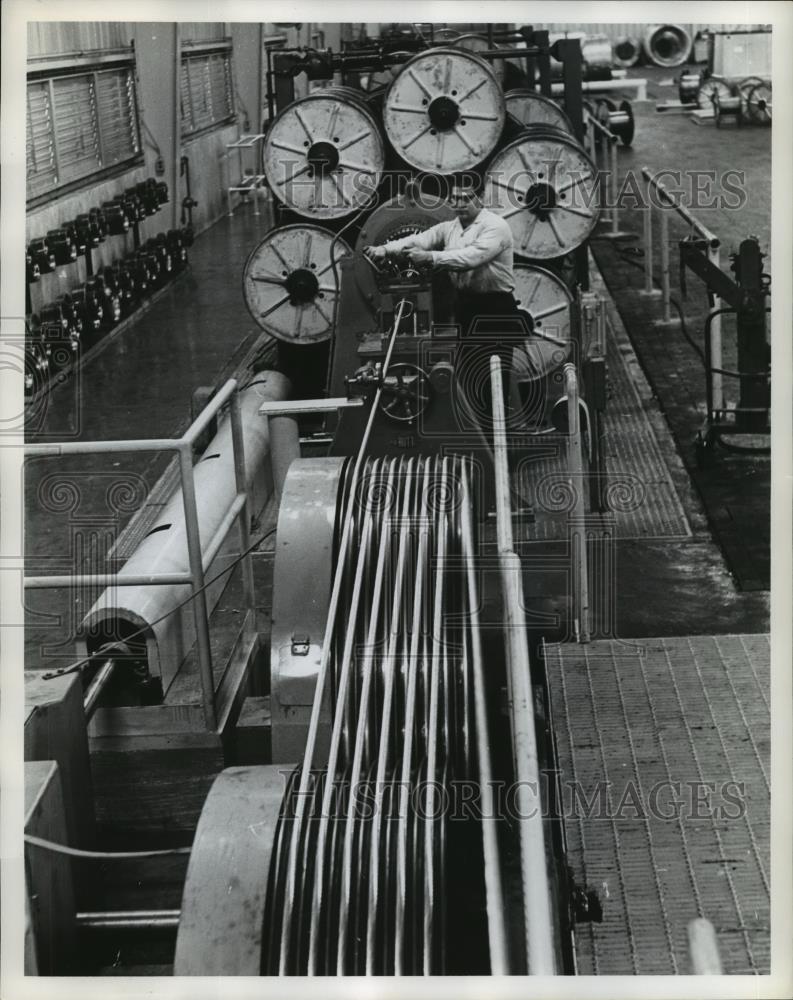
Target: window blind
(207, 90)
(79, 125)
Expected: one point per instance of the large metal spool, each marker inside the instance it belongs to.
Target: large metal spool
(324, 886)
(324, 155)
(757, 101)
(618, 120)
(545, 186)
(667, 45)
(547, 301)
(479, 43)
(626, 52)
(711, 90)
(290, 284)
(531, 108)
(597, 57)
(445, 111)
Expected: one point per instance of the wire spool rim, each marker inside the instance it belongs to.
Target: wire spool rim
(442, 115)
(540, 198)
(708, 89)
(541, 101)
(302, 289)
(320, 158)
(655, 33)
(497, 65)
(758, 107)
(623, 61)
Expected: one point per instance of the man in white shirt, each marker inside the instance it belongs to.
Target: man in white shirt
(476, 248)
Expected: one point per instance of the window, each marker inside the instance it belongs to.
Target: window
(79, 125)
(207, 90)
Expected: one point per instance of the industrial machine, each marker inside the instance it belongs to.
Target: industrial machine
(396, 826)
(736, 82)
(746, 294)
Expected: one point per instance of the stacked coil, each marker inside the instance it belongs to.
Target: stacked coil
(359, 879)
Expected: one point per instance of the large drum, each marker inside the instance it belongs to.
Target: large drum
(546, 187)
(531, 108)
(324, 154)
(290, 284)
(445, 111)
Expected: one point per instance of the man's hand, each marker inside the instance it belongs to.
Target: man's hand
(419, 257)
(377, 254)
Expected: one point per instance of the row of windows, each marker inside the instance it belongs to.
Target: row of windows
(81, 124)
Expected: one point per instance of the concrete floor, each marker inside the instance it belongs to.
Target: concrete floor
(137, 383)
(734, 489)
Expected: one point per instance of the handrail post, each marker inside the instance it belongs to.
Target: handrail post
(649, 290)
(540, 954)
(575, 468)
(199, 599)
(615, 190)
(717, 389)
(503, 505)
(667, 319)
(243, 520)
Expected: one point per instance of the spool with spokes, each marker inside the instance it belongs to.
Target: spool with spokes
(289, 284)
(445, 111)
(546, 187)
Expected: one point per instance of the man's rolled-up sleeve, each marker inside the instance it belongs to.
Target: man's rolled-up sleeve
(488, 245)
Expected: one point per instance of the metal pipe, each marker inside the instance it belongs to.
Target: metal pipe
(100, 447)
(717, 387)
(137, 444)
(297, 407)
(703, 231)
(95, 688)
(496, 928)
(199, 599)
(285, 444)
(649, 289)
(384, 749)
(432, 727)
(128, 920)
(615, 187)
(201, 422)
(244, 513)
(575, 467)
(234, 511)
(665, 284)
(176, 125)
(337, 734)
(105, 580)
(367, 670)
(503, 507)
(540, 954)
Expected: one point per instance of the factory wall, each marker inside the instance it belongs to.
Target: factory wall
(158, 77)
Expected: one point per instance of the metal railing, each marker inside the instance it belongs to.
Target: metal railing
(199, 561)
(540, 954)
(604, 155)
(575, 468)
(714, 256)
